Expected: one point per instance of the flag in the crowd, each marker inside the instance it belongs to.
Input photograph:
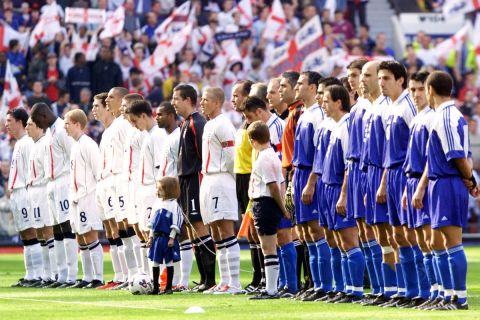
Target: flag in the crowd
(453, 43)
(244, 8)
(175, 22)
(47, 27)
(276, 24)
(79, 44)
(456, 7)
(7, 33)
(114, 24)
(331, 6)
(81, 15)
(92, 47)
(315, 60)
(12, 97)
(476, 39)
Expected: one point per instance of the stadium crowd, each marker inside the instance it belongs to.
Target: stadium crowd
(336, 218)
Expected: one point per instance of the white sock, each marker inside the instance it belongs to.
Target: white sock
(52, 259)
(271, 273)
(137, 250)
(233, 260)
(130, 260)
(145, 261)
(37, 260)
(96, 255)
(87, 265)
(71, 253)
(27, 259)
(62, 269)
(176, 273)
(186, 262)
(117, 269)
(123, 262)
(46, 262)
(222, 264)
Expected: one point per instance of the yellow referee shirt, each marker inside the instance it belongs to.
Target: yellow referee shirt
(243, 151)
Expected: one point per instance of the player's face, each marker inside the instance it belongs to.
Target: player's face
(70, 127)
(287, 94)
(319, 96)
(417, 91)
(11, 125)
(113, 102)
(252, 116)
(179, 104)
(137, 122)
(388, 84)
(98, 110)
(273, 96)
(208, 104)
(123, 107)
(353, 76)
(301, 88)
(330, 106)
(32, 130)
(237, 96)
(162, 118)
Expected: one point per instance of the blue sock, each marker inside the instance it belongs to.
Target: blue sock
(337, 270)
(401, 290)
(422, 277)
(458, 268)
(377, 257)
(389, 280)
(407, 260)
(444, 268)
(356, 267)
(430, 270)
(436, 269)
(281, 273)
(313, 262)
(289, 257)
(374, 284)
(346, 273)
(325, 268)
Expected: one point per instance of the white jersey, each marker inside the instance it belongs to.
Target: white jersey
(266, 169)
(19, 165)
(169, 155)
(36, 166)
(59, 148)
(83, 167)
(131, 158)
(218, 145)
(150, 155)
(120, 127)
(105, 161)
(276, 127)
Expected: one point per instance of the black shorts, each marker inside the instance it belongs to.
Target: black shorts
(242, 182)
(190, 195)
(266, 216)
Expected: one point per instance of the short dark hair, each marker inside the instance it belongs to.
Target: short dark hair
(187, 91)
(252, 103)
(259, 132)
(345, 84)
(357, 63)
(77, 56)
(139, 107)
(133, 97)
(19, 114)
(312, 77)
(102, 97)
(441, 82)
(328, 81)
(41, 114)
(121, 91)
(419, 76)
(338, 92)
(292, 77)
(168, 108)
(246, 86)
(13, 43)
(396, 68)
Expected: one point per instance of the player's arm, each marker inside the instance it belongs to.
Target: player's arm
(94, 159)
(176, 225)
(464, 165)
(382, 189)
(276, 195)
(342, 199)
(417, 199)
(309, 190)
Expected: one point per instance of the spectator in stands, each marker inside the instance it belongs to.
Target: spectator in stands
(106, 73)
(411, 62)
(342, 28)
(364, 36)
(54, 77)
(381, 48)
(309, 11)
(150, 26)
(132, 23)
(17, 59)
(38, 95)
(85, 100)
(136, 82)
(357, 6)
(62, 103)
(293, 23)
(156, 94)
(65, 60)
(78, 77)
(25, 17)
(37, 65)
(426, 52)
(468, 86)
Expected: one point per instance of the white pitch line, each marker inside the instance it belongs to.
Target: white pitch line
(89, 304)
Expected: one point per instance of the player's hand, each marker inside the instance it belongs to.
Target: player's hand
(286, 214)
(417, 199)
(475, 192)
(365, 200)
(170, 242)
(149, 242)
(404, 200)
(307, 194)
(341, 205)
(382, 194)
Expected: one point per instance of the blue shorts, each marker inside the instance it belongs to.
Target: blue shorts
(322, 214)
(161, 253)
(303, 212)
(448, 202)
(355, 192)
(335, 220)
(396, 181)
(416, 217)
(375, 213)
(285, 223)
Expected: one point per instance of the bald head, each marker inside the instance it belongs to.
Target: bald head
(369, 79)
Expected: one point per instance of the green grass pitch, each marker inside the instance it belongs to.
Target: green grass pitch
(23, 304)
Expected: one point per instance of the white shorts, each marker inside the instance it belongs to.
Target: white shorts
(120, 191)
(104, 198)
(22, 214)
(218, 198)
(85, 215)
(133, 203)
(58, 204)
(148, 195)
(39, 207)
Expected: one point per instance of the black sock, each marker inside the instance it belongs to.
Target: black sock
(169, 278)
(307, 275)
(156, 275)
(209, 256)
(198, 258)
(300, 257)
(261, 258)
(257, 268)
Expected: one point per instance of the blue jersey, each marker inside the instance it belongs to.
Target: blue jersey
(416, 157)
(448, 140)
(276, 126)
(400, 115)
(168, 216)
(323, 139)
(335, 162)
(305, 138)
(374, 140)
(357, 129)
